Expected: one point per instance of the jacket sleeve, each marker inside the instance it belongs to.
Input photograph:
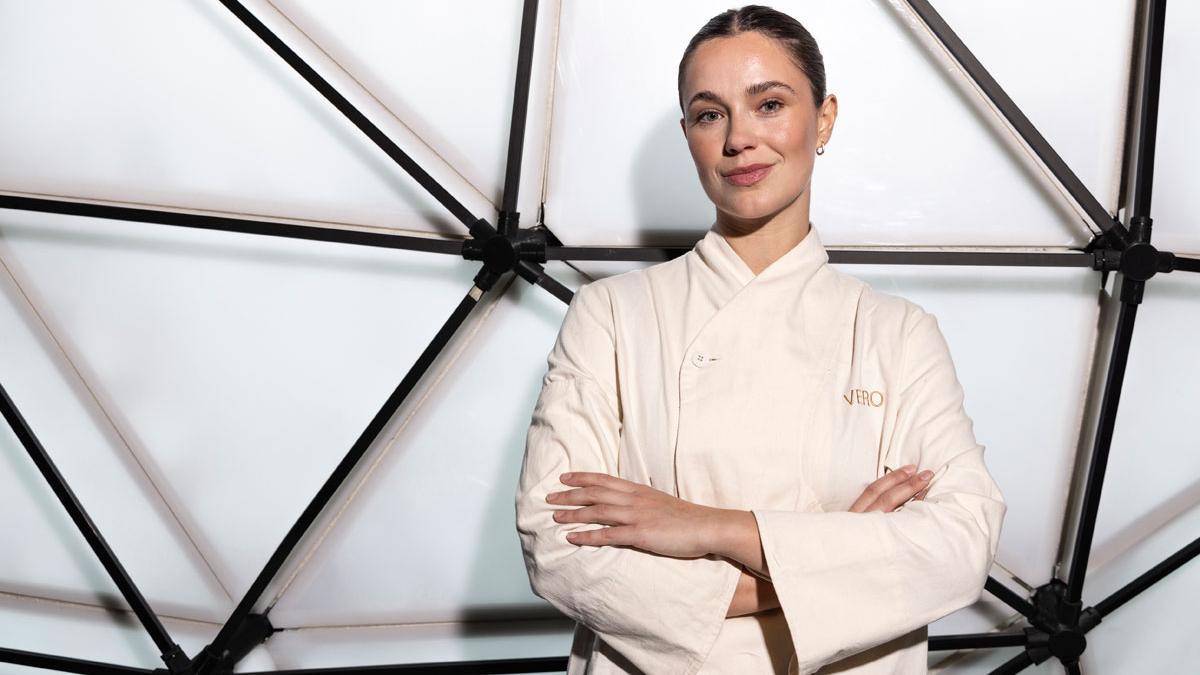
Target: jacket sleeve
(850, 581)
(661, 613)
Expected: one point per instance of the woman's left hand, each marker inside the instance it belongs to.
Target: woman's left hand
(636, 515)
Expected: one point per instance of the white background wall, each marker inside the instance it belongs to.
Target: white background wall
(195, 388)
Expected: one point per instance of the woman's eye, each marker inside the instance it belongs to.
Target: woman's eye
(775, 101)
(702, 117)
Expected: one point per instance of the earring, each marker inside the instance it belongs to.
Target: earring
(821, 149)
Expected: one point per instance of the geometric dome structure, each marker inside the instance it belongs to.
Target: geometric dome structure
(278, 281)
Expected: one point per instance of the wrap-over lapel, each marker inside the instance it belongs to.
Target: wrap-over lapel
(750, 370)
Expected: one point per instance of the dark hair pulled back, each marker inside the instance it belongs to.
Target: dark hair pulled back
(800, 45)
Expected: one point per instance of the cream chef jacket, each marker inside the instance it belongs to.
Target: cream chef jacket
(785, 394)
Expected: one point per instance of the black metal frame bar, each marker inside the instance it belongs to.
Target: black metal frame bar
(214, 655)
(508, 247)
(509, 224)
(67, 665)
(236, 225)
(857, 255)
(170, 652)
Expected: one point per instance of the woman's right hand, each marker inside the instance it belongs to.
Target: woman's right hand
(893, 490)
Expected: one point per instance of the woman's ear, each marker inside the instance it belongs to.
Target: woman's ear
(683, 126)
(826, 116)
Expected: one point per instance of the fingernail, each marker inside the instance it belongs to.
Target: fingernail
(926, 474)
(909, 469)
(565, 476)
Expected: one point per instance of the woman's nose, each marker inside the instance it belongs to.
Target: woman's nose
(740, 135)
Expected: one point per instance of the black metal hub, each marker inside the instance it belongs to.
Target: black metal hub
(1067, 645)
(499, 254)
(250, 633)
(503, 250)
(1059, 628)
(1140, 261)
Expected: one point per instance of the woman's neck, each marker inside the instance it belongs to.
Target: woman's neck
(761, 243)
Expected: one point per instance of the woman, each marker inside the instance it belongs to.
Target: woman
(708, 483)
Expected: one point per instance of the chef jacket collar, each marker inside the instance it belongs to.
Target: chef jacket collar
(797, 265)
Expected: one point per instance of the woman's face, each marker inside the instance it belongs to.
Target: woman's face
(746, 103)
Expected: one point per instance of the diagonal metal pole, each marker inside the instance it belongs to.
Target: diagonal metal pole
(1146, 83)
(1011, 112)
(1010, 598)
(1141, 154)
(214, 654)
(536, 275)
(1148, 578)
(171, 653)
(1101, 445)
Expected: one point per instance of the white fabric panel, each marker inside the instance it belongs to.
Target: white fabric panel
(429, 537)
(912, 160)
(462, 107)
(338, 647)
(94, 634)
(1175, 204)
(1021, 341)
(1154, 440)
(1066, 65)
(242, 368)
(1156, 631)
(179, 104)
(45, 555)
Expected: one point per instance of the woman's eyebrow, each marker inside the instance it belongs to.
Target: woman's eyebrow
(752, 90)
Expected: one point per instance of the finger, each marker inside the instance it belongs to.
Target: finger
(583, 478)
(907, 468)
(921, 494)
(602, 514)
(585, 496)
(603, 536)
(901, 493)
(880, 486)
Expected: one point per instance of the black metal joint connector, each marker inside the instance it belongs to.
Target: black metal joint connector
(1089, 619)
(500, 253)
(253, 631)
(508, 221)
(1106, 259)
(1067, 645)
(177, 661)
(1037, 644)
(1140, 261)
(531, 245)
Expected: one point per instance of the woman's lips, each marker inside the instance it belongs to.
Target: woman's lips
(750, 178)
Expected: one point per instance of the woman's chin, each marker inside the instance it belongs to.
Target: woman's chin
(749, 212)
